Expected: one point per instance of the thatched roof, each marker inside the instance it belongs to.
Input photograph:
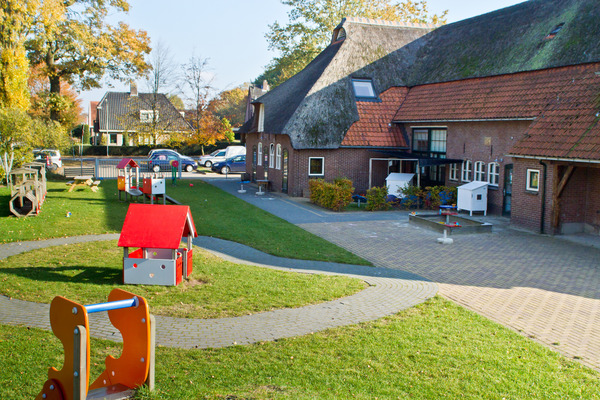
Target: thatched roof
(511, 39)
(317, 107)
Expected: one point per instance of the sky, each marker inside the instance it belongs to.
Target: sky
(231, 33)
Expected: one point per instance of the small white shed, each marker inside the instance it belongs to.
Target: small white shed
(397, 181)
(472, 196)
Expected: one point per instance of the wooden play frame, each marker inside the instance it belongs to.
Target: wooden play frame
(69, 321)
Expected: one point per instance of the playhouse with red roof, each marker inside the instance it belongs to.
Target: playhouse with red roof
(157, 231)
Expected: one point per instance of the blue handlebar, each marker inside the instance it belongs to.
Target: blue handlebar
(112, 305)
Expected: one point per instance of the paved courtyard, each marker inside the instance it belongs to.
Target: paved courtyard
(544, 287)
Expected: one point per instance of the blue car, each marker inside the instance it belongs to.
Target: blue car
(232, 164)
(161, 161)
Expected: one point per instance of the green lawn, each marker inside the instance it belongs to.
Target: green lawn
(215, 213)
(87, 272)
(436, 350)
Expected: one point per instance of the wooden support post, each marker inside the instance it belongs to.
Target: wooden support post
(80, 357)
(152, 359)
(559, 186)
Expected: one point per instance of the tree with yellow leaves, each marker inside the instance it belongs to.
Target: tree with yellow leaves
(76, 44)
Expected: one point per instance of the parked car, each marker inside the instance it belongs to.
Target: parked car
(162, 151)
(221, 155)
(232, 164)
(161, 161)
(50, 157)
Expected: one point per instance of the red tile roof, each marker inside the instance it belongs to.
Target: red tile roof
(568, 127)
(373, 129)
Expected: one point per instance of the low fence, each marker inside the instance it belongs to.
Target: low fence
(104, 168)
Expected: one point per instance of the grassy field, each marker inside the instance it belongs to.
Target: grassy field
(215, 213)
(432, 351)
(437, 350)
(87, 272)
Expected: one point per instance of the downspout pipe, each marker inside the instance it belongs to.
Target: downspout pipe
(543, 211)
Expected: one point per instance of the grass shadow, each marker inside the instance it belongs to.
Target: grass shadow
(69, 274)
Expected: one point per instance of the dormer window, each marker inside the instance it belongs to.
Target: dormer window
(363, 89)
(147, 116)
(554, 31)
(261, 118)
(339, 34)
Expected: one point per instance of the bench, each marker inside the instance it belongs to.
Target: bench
(72, 172)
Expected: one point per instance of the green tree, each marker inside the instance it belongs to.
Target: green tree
(15, 138)
(312, 21)
(75, 43)
(86, 134)
(15, 20)
(226, 130)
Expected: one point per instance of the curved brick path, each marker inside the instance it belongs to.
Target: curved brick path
(389, 292)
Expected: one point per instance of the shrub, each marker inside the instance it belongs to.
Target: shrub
(431, 197)
(377, 199)
(334, 196)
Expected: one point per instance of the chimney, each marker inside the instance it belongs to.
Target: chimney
(133, 89)
(265, 86)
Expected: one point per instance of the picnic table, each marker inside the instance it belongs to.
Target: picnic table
(84, 180)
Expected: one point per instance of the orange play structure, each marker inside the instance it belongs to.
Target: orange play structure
(69, 320)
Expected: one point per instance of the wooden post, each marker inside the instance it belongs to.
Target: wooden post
(152, 358)
(79, 363)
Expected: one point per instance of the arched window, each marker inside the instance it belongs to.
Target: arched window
(259, 153)
(480, 171)
(493, 173)
(466, 171)
(272, 156)
(278, 158)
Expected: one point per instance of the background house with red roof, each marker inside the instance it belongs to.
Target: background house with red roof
(511, 98)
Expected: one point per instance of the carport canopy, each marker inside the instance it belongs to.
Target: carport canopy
(422, 161)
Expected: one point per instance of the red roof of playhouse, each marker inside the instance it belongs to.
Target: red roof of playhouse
(374, 128)
(127, 162)
(156, 226)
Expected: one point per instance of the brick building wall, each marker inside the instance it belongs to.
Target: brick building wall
(487, 142)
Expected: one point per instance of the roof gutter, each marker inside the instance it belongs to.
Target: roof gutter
(580, 160)
(409, 121)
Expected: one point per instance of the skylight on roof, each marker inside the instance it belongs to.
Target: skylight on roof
(555, 31)
(363, 89)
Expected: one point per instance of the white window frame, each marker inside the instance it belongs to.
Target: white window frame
(261, 118)
(147, 116)
(453, 173)
(529, 186)
(272, 155)
(322, 166)
(363, 85)
(465, 173)
(278, 157)
(479, 171)
(260, 152)
(493, 173)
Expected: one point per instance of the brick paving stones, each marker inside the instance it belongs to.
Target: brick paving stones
(544, 287)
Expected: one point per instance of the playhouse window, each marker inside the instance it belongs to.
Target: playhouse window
(533, 180)
(316, 166)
